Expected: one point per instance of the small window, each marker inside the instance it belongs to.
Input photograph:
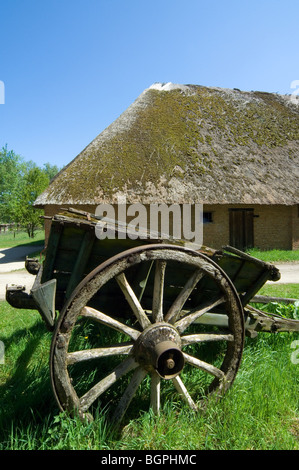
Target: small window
(207, 217)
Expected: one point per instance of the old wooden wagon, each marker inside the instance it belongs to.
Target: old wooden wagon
(143, 312)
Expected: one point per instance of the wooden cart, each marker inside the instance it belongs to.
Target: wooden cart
(130, 312)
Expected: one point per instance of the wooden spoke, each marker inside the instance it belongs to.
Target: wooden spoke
(129, 393)
(123, 368)
(174, 311)
(158, 291)
(186, 321)
(203, 337)
(209, 368)
(143, 283)
(109, 321)
(133, 301)
(155, 340)
(155, 392)
(180, 387)
(97, 353)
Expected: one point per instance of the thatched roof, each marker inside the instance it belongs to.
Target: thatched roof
(187, 143)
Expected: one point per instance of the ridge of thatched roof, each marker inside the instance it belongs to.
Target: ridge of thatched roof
(188, 143)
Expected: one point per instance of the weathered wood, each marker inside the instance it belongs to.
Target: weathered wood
(133, 301)
(128, 395)
(209, 368)
(269, 323)
(254, 287)
(97, 353)
(214, 319)
(174, 311)
(51, 250)
(155, 392)
(123, 368)
(159, 291)
(32, 265)
(64, 391)
(203, 337)
(152, 350)
(273, 271)
(180, 387)
(106, 320)
(186, 321)
(44, 296)
(18, 298)
(81, 261)
(265, 299)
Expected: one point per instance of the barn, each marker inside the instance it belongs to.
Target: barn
(235, 152)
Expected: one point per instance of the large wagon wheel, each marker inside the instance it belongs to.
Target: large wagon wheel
(162, 340)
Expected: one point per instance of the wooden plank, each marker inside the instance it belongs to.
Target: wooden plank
(52, 247)
(264, 299)
(270, 323)
(133, 301)
(81, 261)
(44, 296)
(254, 288)
(241, 228)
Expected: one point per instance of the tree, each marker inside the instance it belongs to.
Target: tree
(50, 170)
(12, 171)
(34, 183)
(20, 184)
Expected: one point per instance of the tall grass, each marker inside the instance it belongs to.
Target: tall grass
(260, 411)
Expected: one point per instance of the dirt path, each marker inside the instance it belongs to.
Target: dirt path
(12, 267)
(289, 273)
(14, 258)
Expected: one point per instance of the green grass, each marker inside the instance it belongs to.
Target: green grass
(11, 239)
(290, 291)
(260, 411)
(275, 255)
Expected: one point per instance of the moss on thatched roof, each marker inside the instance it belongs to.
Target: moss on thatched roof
(187, 143)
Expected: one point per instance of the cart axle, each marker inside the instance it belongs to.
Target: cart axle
(159, 348)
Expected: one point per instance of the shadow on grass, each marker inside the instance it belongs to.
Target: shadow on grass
(19, 253)
(27, 395)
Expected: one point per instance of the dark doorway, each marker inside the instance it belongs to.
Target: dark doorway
(241, 228)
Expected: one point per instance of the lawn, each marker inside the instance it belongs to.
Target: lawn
(17, 238)
(260, 411)
(290, 291)
(275, 256)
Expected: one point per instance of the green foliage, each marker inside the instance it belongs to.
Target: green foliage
(20, 184)
(285, 310)
(12, 171)
(34, 182)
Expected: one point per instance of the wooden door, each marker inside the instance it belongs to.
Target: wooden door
(241, 228)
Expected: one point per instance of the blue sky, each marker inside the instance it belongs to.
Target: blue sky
(71, 67)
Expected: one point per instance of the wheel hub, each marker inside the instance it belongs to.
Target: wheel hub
(159, 348)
